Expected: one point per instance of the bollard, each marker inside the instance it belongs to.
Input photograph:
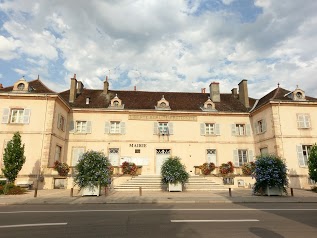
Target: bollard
(35, 192)
(230, 195)
(140, 191)
(292, 193)
(71, 192)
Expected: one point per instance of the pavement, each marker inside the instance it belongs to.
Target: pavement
(238, 195)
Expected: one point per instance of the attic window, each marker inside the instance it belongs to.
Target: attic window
(87, 100)
(298, 95)
(21, 86)
(208, 106)
(116, 103)
(162, 104)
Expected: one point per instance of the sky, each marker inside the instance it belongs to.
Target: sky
(161, 45)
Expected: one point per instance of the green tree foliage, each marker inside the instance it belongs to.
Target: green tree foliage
(173, 171)
(312, 163)
(92, 170)
(13, 158)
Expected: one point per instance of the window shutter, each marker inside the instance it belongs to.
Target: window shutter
(122, 127)
(264, 125)
(251, 156)
(217, 129)
(307, 120)
(26, 116)
(236, 158)
(71, 127)
(300, 121)
(170, 128)
(88, 130)
(233, 130)
(155, 128)
(58, 121)
(300, 156)
(107, 127)
(248, 129)
(202, 129)
(5, 115)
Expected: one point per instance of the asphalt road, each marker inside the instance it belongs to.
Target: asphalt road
(145, 220)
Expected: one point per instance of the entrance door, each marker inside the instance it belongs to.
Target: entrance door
(161, 156)
(114, 156)
(211, 156)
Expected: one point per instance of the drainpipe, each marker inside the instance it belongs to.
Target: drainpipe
(279, 120)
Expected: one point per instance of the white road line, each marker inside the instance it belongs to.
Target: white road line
(176, 209)
(245, 220)
(37, 224)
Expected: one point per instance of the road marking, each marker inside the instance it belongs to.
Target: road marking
(175, 209)
(37, 224)
(244, 220)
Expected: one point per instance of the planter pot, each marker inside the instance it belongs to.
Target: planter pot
(274, 191)
(172, 187)
(91, 191)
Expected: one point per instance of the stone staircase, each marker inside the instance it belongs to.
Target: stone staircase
(153, 183)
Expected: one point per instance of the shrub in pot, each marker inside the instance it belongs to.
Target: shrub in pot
(207, 168)
(226, 168)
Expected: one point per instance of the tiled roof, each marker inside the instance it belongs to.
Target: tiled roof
(279, 94)
(36, 85)
(132, 100)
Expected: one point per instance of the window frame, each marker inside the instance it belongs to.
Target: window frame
(240, 129)
(115, 127)
(241, 157)
(20, 116)
(80, 155)
(81, 126)
(304, 122)
(61, 122)
(163, 128)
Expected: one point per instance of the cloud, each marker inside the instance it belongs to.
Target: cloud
(163, 45)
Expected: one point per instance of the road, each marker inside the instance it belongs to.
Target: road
(272, 220)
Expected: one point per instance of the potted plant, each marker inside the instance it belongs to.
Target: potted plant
(92, 171)
(248, 168)
(129, 168)
(207, 168)
(174, 174)
(61, 167)
(271, 175)
(226, 168)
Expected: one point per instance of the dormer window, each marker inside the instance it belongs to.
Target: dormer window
(297, 95)
(21, 86)
(116, 103)
(208, 106)
(163, 104)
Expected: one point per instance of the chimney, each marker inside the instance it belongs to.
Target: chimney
(214, 92)
(243, 93)
(106, 85)
(234, 92)
(134, 88)
(203, 90)
(73, 89)
(1, 85)
(80, 87)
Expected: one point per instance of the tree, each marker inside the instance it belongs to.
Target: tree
(13, 158)
(312, 163)
(92, 170)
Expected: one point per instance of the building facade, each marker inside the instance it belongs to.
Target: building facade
(147, 127)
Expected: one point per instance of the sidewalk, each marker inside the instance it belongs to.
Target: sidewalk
(239, 195)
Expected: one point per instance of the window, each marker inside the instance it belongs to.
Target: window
(211, 156)
(264, 151)
(209, 129)
(115, 127)
(303, 121)
(58, 153)
(260, 126)
(303, 154)
(21, 86)
(242, 156)
(81, 126)
(116, 103)
(16, 115)
(61, 122)
(77, 154)
(240, 129)
(163, 128)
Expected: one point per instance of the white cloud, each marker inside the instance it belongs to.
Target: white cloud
(8, 47)
(21, 71)
(227, 2)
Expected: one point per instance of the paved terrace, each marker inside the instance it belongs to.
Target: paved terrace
(239, 195)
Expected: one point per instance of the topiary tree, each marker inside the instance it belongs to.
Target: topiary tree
(93, 169)
(173, 171)
(13, 158)
(312, 163)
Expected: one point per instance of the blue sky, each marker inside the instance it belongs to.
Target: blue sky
(179, 45)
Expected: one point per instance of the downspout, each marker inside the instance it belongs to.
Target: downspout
(281, 133)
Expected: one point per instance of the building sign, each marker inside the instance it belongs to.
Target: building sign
(162, 118)
(136, 160)
(137, 145)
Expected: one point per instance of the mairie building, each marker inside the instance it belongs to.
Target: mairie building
(147, 127)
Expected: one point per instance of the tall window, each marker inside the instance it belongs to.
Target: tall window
(163, 127)
(240, 129)
(243, 157)
(303, 121)
(77, 154)
(209, 128)
(306, 150)
(114, 127)
(58, 153)
(61, 122)
(17, 116)
(260, 126)
(264, 151)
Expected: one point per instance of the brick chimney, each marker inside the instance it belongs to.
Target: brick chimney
(203, 90)
(134, 88)
(214, 92)
(234, 92)
(243, 93)
(106, 85)
(80, 87)
(73, 89)
(1, 86)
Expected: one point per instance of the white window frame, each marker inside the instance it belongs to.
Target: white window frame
(163, 128)
(243, 157)
(303, 121)
(240, 129)
(115, 127)
(18, 117)
(260, 126)
(210, 129)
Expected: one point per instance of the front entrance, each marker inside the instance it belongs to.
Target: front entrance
(161, 156)
(114, 156)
